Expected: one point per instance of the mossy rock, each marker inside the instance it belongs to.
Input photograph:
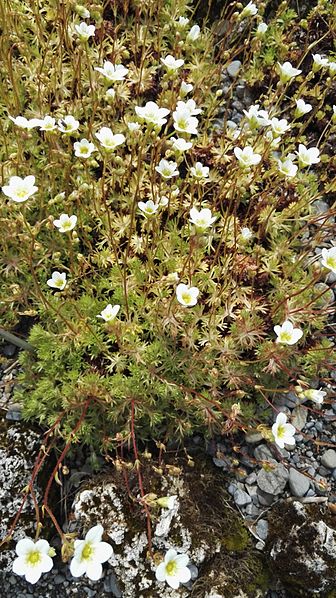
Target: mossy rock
(301, 548)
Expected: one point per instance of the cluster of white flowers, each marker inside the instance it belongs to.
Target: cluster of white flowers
(322, 62)
(35, 558)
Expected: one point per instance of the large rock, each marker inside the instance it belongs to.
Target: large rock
(200, 525)
(301, 548)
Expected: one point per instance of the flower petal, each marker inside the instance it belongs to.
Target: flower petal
(23, 546)
(42, 546)
(94, 571)
(160, 572)
(19, 565)
(46, 563)
(182, 560)
(77, 567)
(173, 581)
(184, 575)
(33, 574)
(103, 552)
(95, 533)
(171, 553)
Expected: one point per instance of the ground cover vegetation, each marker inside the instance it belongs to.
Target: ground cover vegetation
(171, 271)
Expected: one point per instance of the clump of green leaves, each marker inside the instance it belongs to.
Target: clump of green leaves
(168, 368)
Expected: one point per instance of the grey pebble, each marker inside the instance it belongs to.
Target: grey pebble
(328, 459)
(241, 498)
(193, 570)
(273, 481)
(262, 453)
(111, 585)
(265, 499)
(298, 483)
(251, 479)
(233, 68)
(299, 417)
(262, 529)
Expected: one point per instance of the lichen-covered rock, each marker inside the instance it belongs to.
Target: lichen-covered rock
(302, 548)
(202, 524)
(18, 451)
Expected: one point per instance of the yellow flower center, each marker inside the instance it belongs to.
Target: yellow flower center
(331, 263)
(281, 431)
(33, 557)
(87, 552)
(21, 193)
(186, 298)
(285, 337)
(171, 568)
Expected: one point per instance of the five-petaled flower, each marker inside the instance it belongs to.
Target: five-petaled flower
(84, 148)
(184, 122)
(283, 432)
(279, 126)
(148, 208)
(65, 223)
(85, 31)
(199, 171)
(172, 64)
(68, 124)
(287, 334)
(112, 72)
(287, 72)
(302, 108)
(25, 123)
(180, 145)
(90, 554)
(109, 313)
(287, 167)
(202, 219)
(108, 140)
(57, 280)
(33, 559)
(48, 123)
(329, 258)
(194, 33)
(250, 10)
(185, 88)
(167, 169)
(20, 189)
(306, 156)
(174, 569)
(152, 114)
(247, 157)
(186, 295)
(319, 62)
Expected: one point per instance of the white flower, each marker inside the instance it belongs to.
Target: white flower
(187, 295)
(250, 10)
(112, 72)
(185, 88)
(164, 201)
(287, 334)
(167, 502)
(287, 167)
(25, 123)
(108, 140)
(148, 208)
(133, 126)
(273, 141)
(65, 223)
(174, 569)
(57, 280)
(167, 169)
(302, 108)
(246, 233)
(110, 95)
(194, 33)
(190, 106)
(261, 29)
(68, 124)
(48, 123)
(283, 433)
(315, 395)
(171, 63)
(85, 31)
(279, 126)
(90, 554)
(329, 259)
(33, 559)
(109, 312)
(202, 219)
(84, 148)
(332, 68)
(287, 72)
(319, 62)
(257, 117)
(182, 22)
(184, 123)
(199, 171)
(246, 156)
(152, 114)
(20, 189)
(180, 144)
(307, 157)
